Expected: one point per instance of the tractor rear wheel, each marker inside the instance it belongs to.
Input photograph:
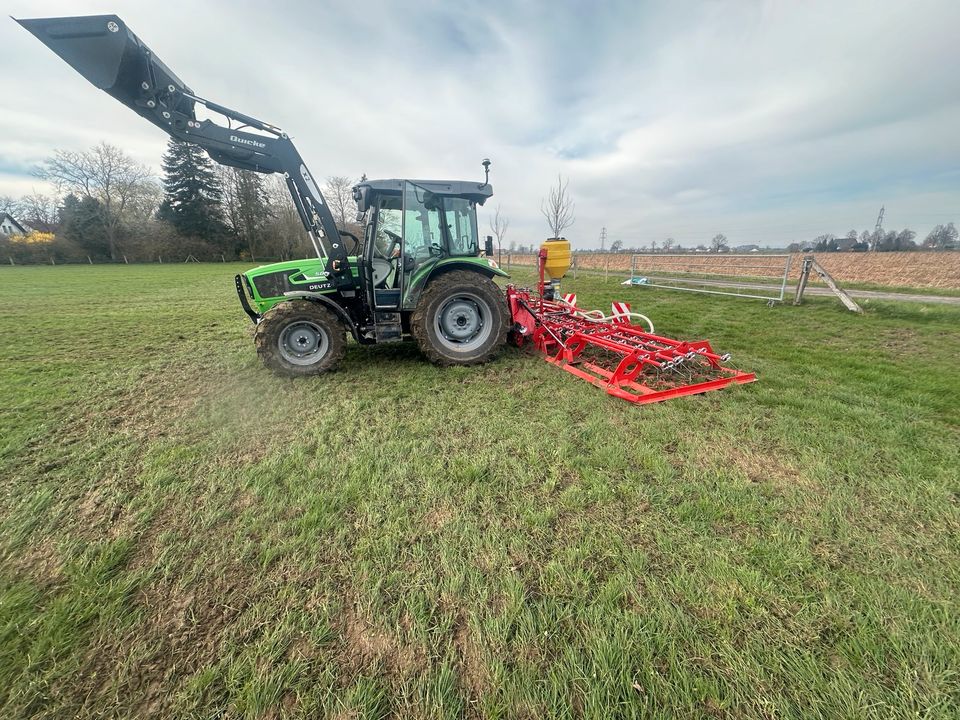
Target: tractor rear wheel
(461, 319)
(299, 337)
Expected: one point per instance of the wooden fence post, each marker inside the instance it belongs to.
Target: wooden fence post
(11, 260)
(125, 260)
(160, 259)
(89, 260)
(804, 277)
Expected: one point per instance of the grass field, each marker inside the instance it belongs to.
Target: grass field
(183, 534)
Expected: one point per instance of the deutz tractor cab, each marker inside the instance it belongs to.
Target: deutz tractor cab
(417, 272)
(412, 227)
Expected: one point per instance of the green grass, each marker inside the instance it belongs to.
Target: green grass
(183, 534)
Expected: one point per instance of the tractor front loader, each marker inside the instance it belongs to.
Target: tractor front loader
(417, 272)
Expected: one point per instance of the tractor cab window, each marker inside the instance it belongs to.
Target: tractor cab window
(461, 219)
(389, 225)
(423, 240)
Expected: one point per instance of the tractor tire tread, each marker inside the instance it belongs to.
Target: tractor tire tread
(266, 335)
(443, 286)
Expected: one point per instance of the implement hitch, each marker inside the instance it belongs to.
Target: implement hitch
(612, 353)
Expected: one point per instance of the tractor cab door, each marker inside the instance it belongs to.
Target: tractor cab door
(382, 252)
(423, 240)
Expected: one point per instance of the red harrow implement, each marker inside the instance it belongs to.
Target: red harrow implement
(612, 353)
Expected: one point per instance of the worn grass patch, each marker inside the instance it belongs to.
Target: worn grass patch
(184, 535)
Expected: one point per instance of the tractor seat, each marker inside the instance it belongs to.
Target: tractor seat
(381, 271)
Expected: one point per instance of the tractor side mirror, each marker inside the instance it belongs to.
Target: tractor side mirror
(361, 196)
(488, 246)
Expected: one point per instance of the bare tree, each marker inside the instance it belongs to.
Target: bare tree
(106, 174)
(498, 226)
(245, 205)
(558, 208)
(9, 205)
(339, 194)
(719, 242)
(942, 237)
(230, 199)
(668, 244)
(285, 234)
(143, 204)
(39, 211)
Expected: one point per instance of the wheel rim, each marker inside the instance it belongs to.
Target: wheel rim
(303, 343)
(464, 322)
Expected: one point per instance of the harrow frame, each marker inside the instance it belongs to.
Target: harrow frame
(613, 353)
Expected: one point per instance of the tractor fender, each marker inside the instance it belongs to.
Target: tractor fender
(337, 309)
(465, 265)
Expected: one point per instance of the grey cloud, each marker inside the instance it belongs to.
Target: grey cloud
(681, 119)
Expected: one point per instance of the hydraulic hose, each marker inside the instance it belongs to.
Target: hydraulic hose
(598, 316)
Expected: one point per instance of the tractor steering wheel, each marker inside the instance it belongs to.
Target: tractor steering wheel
(393, 245)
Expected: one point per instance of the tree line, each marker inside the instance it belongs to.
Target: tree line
(942, 237)
(109, 208)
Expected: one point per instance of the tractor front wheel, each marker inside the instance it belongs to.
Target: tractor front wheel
(461, 319)
(300, 337)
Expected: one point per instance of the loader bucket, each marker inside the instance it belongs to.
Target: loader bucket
(109, 55)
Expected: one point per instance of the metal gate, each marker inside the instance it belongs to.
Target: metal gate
(762, 277)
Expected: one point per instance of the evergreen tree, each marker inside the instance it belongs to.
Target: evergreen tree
(192, 192)
(82, 222)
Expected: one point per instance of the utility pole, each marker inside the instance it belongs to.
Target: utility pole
(603, 239)
(878, 229)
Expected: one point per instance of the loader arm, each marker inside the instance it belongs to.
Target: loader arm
(113, 58)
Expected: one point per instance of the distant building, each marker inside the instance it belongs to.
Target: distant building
(747, 248)
(9, 226)
(845, 244)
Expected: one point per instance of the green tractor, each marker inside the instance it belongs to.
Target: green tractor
(417, 271)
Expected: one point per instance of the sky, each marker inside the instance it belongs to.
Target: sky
(771, 122)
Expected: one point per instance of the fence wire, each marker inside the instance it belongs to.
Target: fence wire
(761, 277)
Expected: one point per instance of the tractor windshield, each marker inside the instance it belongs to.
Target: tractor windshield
(461, 222)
